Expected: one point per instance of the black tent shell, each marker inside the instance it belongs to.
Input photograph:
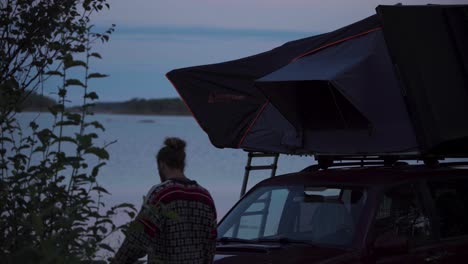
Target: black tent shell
(432, 63)
(359, 90)
(233, 112)
(359, 71)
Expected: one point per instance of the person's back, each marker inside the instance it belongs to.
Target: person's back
(186, 212)
(177, 223)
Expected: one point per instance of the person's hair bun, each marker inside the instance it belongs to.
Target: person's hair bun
(175, 143)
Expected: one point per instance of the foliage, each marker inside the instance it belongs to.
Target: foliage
(50, 199)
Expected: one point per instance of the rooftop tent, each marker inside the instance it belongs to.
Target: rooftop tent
(372, 87)
(429, 47)
(233, 112)
(345, 98)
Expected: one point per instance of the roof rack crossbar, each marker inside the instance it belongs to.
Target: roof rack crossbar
(319, 166)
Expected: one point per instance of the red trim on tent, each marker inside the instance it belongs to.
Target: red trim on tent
(252, 124)
(185, 103)
(334, 43)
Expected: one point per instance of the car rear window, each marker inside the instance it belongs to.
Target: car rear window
(401, 212)
(450, 197)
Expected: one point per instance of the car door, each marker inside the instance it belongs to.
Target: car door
(450, 200)
(402, 214)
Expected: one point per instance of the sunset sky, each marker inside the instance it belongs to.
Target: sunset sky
(155, 36)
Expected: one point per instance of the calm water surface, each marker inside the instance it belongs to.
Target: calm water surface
(131, 170)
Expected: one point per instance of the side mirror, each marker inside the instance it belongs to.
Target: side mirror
(391, 243)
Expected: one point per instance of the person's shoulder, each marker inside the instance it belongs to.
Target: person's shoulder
(201, 189)
(159, 187)
(188, 183)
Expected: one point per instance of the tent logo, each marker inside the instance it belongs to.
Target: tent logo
(216, 97)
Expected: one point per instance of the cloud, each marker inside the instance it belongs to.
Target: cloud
(300, 15)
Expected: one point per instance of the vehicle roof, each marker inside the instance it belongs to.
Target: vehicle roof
(366, 175)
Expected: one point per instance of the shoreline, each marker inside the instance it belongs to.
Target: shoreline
(114, 113)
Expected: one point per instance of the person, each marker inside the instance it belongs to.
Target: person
(177, 223)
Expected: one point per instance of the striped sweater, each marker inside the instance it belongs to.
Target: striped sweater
(177, 224)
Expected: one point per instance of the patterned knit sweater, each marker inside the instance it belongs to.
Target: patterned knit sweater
(177, 224)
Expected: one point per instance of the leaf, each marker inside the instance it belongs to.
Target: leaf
(26, 146)
(44, 136)
(96, 125)
(131, 214)
(55, 109)
(92, 96)
(64, 139)
(100, 189)
(104, 221)
(5, 139)
(97, 75)
(107, 247)
(76, 82)
(84, 141)
(74, 63)
(96, 55)
(40, 149)
(57, 73)
(92, 135)
(96, 168)
(98, 152)
(33, 125)
(62, 92)
(67, 123)
(80, 48)
(74, 117)
(124, 205)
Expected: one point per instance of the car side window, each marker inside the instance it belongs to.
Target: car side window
(451, 201)
(401, 212)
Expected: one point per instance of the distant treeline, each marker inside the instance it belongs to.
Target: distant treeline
(37, 102)
(169, 106)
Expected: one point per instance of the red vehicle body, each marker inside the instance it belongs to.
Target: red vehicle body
(399, 214)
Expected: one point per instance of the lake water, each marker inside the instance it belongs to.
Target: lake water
(131, 170)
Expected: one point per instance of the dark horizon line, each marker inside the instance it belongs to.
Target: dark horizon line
(118, 100)
(130, 99)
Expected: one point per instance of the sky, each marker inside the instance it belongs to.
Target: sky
(153, 37)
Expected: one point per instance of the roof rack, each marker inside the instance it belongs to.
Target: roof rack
(327, 161)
